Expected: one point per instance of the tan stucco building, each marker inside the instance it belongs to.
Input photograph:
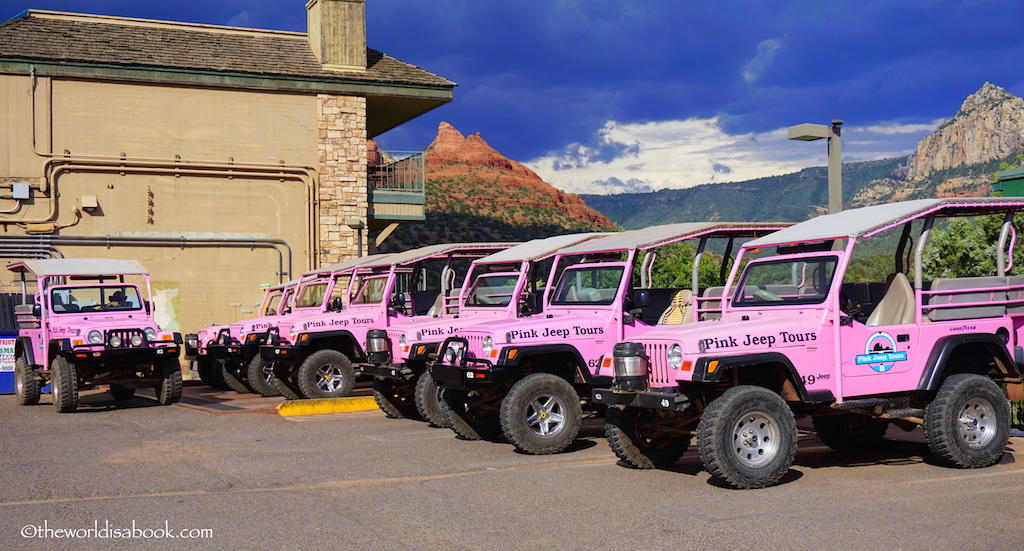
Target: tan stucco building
(221, 158)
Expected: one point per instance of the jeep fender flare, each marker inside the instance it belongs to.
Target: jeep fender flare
(343, 335)
(937, 367)
(702, 373)
(529, 352)
(23, 346)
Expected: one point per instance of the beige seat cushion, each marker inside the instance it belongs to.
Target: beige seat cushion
(679, 309)
(897, 306)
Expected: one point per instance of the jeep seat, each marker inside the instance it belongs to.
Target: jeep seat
(679, 309)
(897, 306)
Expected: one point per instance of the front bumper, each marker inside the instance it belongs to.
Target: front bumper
(667, 399)
(283, 353)
(89, 356)
(469, 378)
(387, 371)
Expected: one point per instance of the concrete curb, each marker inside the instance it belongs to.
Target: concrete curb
(326, 405)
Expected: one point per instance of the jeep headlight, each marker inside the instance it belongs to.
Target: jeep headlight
(488, 346)
(115, 342)
(136, 340)
(95, 337)
(150, 333)
(675, 356)
(401, 341)
(452, 353)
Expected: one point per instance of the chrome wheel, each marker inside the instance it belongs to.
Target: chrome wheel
(329, 378)
(755, 439)
(545, 415)
(976, 424)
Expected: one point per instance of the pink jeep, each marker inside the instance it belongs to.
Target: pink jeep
(313, 355)
(89, 327)
(801, 333)
(235, 348)
(504, 285)
(202, 346)
(525, 377)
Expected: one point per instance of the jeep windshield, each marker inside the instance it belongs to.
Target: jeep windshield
(783, 282)
(104, 298)
(588, 285)
(492, 290)
(370, 289)
(311, 295)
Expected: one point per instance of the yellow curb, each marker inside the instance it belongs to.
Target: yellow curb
(326, 405)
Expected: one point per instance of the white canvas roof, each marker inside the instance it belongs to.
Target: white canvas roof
(374, 259)
(56, 267)
(653, 236)
(422, 253)
(539, 248)
(863, 221)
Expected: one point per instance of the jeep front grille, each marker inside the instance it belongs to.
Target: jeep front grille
(660, 372)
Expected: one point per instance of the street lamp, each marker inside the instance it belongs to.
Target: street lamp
(810, 132)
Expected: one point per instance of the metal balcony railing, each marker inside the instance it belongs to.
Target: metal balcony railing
(401, 171)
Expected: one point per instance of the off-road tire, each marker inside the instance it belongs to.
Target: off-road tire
(121, 393)
(473, 415)
(326, 374)
(64, 385)
(967, 425)
(26, 386)
(429, 404)
(168, 390)
(282, 382)
(234, 382)
(260, 379)
(747, 437)
(637, 439)
(850, 432)
(395, 397)
(541, 414)
(211, 373)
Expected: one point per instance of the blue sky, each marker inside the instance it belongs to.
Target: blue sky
(604, 96)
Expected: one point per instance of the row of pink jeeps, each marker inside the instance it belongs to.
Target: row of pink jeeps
(540, 333)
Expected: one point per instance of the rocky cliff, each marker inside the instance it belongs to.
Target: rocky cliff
(493, 184)
(989, 125)
(956, 159)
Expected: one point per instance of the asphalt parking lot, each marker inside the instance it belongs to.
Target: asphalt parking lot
(252, 479)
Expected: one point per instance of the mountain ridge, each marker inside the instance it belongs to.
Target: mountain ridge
(958, 159)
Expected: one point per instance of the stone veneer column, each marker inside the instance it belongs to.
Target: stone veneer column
(341, 132)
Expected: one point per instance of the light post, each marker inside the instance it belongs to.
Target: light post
(357, 225)
(810, 132)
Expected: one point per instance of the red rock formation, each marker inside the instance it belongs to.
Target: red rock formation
(499, 184)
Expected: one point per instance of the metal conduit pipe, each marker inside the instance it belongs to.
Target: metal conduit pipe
(170, 168)
(182, 242)
(39, 252)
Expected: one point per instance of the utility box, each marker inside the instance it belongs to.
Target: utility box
(1010, 182)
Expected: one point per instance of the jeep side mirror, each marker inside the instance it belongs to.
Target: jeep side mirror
(398, 300)
(149, 307)
(528, 304)
(337, 304)
(37, 311)
(641, 298)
